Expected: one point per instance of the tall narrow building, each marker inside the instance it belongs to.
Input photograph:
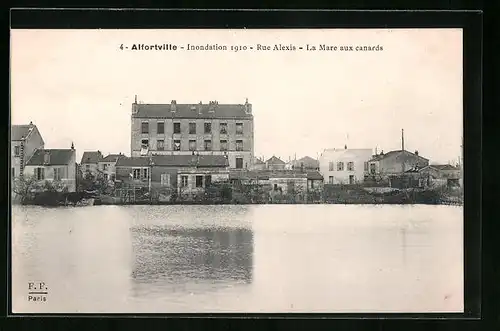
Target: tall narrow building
(185, 129)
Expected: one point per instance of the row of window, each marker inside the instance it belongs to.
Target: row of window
(176, 145)
(40, 173)
(340, 166)
(207, 128)
(143, 173)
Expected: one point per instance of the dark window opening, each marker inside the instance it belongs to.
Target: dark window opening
(177, 127)
(208, 145)
(160, 145)
(223, 145)
(208, 128)
(223, 128)
(145, 127)
(161, 128)
(239, 128)
(239, 145)
(192, 128)
(199, 181)
(192, 145)
(239, 163)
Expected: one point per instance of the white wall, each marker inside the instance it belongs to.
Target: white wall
(358, 156)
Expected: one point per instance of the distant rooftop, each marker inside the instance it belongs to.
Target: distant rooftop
(91, 157)
(112, 158)
(55, 157)
(174, 161)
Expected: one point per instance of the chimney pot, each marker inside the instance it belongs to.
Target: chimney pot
(416, 153)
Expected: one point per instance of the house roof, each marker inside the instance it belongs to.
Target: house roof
(190, 160)
(126, 161)
(91, 157)
(314, 175)
(220, 111)
(111, 158)
(397, 153)
(274, 160)
(174, 161)
(308, 162)
(19, 131)
(56, 157)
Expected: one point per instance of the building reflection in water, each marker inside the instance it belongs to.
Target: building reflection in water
(183, 255)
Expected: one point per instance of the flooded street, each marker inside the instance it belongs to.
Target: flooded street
(255, 258)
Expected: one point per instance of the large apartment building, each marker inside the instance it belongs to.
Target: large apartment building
(186, 129)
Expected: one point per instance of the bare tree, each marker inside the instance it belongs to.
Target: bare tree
(24, 186)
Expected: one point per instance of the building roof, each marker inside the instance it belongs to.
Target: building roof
(91, 157)
(190, 160)
(56, 157)
(174, 161)
(274, 160)
(219, 111)
(314, 175)
(139, 161)
(21, 131)
(397, 153)
(307, 161)
(111, 158)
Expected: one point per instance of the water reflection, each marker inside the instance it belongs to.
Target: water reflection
(168, 255)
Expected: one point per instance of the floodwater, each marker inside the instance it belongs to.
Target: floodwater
(264, 258)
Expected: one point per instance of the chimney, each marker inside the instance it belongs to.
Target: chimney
(211, 106)
(31, 123)
(134, 106)
(248, 107)
(345, 146)
(173, 106)
(416, 153)
(72, 146)
(46, 157)
(402, 139)
(200, 106)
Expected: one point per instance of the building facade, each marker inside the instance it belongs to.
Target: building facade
(25, 140)
(383, 165)
(107, 166)
(55, 166)
(275, 163)
(90, 162)
(172, 172)
(343, 165)
(186, 129)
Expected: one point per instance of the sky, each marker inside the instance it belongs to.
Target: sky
(78, 86)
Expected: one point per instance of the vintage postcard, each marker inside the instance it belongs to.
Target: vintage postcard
(240, 171)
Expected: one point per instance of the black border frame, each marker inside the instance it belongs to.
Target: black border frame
(470, 21)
